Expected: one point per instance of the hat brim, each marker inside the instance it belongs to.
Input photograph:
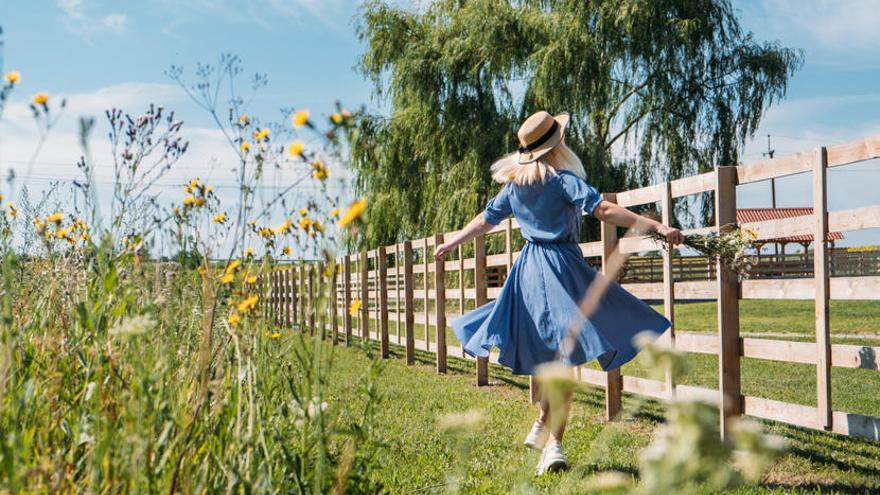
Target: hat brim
(536, 154)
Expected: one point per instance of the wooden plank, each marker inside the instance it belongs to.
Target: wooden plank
(775, 167)
(294, 305)
(703, 343)
(693, 393)
(613, 380)
(425, 264)
(784, 412)
(319, 294)
(381, 260)
(823, 289)
(311, 274)
(644, 386)
(364, 296)
(346, 297)
(303, 313)
(867, 217)
(856, 425)
(855, 356)
(668, 284)
(858, 150)
(779, 350)
(409, 309)
(730, 392)
(440, 308)
(397, 261)
(480, 298)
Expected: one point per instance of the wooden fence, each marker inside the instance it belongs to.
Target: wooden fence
(402, 285)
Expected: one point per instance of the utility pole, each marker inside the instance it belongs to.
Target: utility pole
(769, 154)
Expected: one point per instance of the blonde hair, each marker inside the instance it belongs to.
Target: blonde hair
(508, 169)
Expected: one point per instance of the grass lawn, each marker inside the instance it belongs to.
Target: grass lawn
(414, 456)
(853, 390)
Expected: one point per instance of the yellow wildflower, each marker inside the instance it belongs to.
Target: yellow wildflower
(13, 212)
(188, 189)
(320, 172)
(252, 222)
(335, 212)
(248, 252)
(189, 200)
(752, 233)
(284, 227)
(251, 280)
(234, 319)
(13, 77)
(248, 304)
(200, 201)
(233, 265)
(266, 232)
(301, 118)
(61, 233)
(245, 146)
(194, 183)
(336, 118)
(262, 134)
(296, 148)
(209, 189)
(355, 211)
(40, 98)
(56, 217)
(318, 226)
(219, 218)
(244, 119)
(285, 251)
(305, 223)
(274, 335)
(354, 307)
(227, 278)
(303, 212)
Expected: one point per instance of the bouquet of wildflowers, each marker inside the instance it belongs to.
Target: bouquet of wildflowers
(731, 246)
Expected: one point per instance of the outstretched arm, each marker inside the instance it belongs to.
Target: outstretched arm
(477, 226)
(618, 215)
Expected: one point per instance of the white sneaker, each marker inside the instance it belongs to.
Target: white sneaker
(537, 438)
(552, 459)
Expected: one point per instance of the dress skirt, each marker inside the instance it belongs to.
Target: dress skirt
(537, 306)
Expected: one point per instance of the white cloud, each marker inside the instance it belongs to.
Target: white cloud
(78, 19)
(831, 32)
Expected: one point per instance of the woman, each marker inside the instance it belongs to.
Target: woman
(545, 188)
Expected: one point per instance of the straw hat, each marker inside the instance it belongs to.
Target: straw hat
(539, 134)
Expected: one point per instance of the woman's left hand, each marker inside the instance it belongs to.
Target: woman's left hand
(672, 235)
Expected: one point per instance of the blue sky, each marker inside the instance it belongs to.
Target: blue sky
(101, 53)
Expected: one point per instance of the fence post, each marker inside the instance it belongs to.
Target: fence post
(303, 299)
(288, 297)
(365, 297)
(461, 286)
(382, 287)
(397, 293)
(728, 305)
(346, 297)
(425, 301)
(823, 290)
(440, 307)
(408, 305)
(312, 310)
(295, 300)
(334, 302)
(669, 284)
(613, 380)
(480, 298)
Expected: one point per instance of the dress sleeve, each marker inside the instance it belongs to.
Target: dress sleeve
(498, 208)
(581, 194)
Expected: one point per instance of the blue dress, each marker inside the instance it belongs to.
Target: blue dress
(539, 301)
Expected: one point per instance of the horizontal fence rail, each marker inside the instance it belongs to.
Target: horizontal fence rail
(402, 284)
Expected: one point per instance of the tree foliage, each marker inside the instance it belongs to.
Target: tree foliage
(657, 89)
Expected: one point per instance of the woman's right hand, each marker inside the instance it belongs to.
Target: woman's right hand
(442, 250)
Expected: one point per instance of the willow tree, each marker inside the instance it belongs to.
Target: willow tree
(657, 89)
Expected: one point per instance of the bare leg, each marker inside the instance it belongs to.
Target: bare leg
(560, 422)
